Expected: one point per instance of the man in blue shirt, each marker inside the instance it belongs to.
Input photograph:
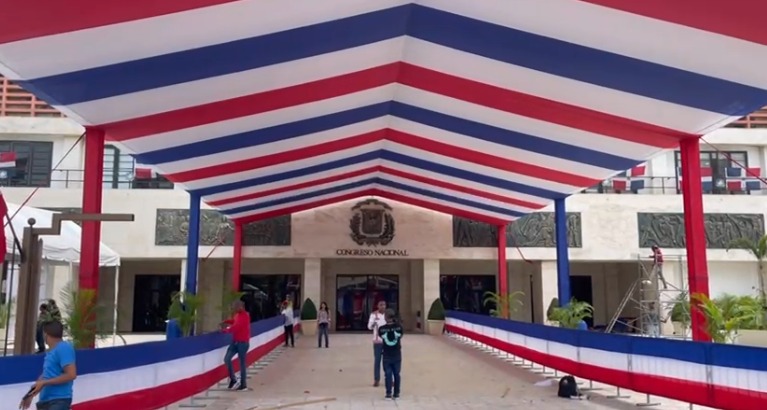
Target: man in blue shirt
(59, 372)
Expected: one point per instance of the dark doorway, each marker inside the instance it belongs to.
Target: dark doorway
(357, 296)
(151, 299)
(263, 294)
(466, 292)
(581, 289)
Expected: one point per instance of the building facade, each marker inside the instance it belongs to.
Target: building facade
(355, 253)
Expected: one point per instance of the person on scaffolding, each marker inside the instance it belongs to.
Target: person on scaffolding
(657, 264)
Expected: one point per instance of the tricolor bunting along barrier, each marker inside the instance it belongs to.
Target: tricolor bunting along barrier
(721, 376)
(144, 376)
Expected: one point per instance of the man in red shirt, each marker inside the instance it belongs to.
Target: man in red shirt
(657, 264)
(239, 327)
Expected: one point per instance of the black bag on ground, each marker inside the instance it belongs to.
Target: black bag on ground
(568, 388)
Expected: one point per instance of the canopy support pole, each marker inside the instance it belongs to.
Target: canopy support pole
(503, 277)
(563, 254)
(237, 262)
(695, 232)
(193, 244)
(117, 304)
(93, 180)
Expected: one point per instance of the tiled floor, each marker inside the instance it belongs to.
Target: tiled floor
(438, 373)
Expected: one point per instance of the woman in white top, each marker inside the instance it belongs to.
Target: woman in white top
(377, 319)
(287, 313)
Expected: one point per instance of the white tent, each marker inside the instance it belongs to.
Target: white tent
(64, 248)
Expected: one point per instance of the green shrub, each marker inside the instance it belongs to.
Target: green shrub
(571, 315)
(436, 311)
(308, 310)
(183, 309)
(496, 301)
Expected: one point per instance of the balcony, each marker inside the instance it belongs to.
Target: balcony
(73, 179)
(15, 102)
(757, 119)
(669, 185)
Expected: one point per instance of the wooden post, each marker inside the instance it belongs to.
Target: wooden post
(29, 277)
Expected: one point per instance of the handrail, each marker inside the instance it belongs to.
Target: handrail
(144, 376)
(721, 376)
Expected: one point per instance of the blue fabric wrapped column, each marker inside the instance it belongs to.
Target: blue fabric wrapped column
(193, 244)
(563, 257)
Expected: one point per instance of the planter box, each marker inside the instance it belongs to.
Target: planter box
(435, 327)
(756, 338)
(680, 329)
(309, 328)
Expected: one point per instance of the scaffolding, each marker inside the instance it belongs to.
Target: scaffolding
(653, 298)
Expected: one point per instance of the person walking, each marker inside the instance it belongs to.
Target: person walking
(391, 335)
(43, 316)
(323, 323)
(56, 383)
(239, 327)
(377, 319)
(53, 308)
(287, 314)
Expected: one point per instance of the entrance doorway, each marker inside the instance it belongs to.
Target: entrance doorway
(357, 296)
(151, 300)
(581, 289)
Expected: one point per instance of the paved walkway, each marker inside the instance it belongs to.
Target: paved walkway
(438, 373)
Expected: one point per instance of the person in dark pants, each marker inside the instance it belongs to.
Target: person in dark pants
(239, 327)
(323, 323)
(43, 317)
(56, 383)
(377, 319)
(391, 335)
(287, 313)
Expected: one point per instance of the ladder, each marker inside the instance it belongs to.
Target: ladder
(626, 298)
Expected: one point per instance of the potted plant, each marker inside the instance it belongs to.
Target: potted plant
(554, 304)
(436, 318)
(183, 309)
(723, 316)
(680, 315)
(758, 249)
(571, 315)
(503, 306)
(83, 318)
(227, 299)
(751, 331)
(309, 318)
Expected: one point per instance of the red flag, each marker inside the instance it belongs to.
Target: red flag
(7, 159)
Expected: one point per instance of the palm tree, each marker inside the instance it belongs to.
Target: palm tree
(757, 248)
(570, 316)
(503, 305)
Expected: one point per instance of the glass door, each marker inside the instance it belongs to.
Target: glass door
(358, 295)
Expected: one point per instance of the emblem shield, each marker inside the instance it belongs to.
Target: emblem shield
(372, 222)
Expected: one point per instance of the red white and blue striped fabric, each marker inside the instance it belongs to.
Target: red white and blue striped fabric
(142, 376)
(715, 375)
(487, 110)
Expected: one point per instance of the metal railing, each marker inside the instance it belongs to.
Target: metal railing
(669, 185)
(74, 178)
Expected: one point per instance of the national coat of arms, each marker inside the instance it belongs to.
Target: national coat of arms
(372, 223)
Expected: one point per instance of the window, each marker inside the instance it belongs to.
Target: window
(118, 168)
(718, 162)
(120, 172)
(33, 164)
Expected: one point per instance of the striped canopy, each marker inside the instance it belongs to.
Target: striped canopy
(487, 109)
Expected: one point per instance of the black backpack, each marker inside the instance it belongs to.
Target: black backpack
(568, 388)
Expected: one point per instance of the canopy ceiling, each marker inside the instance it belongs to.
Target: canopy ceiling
(486, 109)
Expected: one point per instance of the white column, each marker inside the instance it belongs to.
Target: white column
(312, 281)
(545, 288)
(183, 274)
(430, 286)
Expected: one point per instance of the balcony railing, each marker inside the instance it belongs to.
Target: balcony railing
(662, 185)
(74, 178)
(15, 102)
(756, 119)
